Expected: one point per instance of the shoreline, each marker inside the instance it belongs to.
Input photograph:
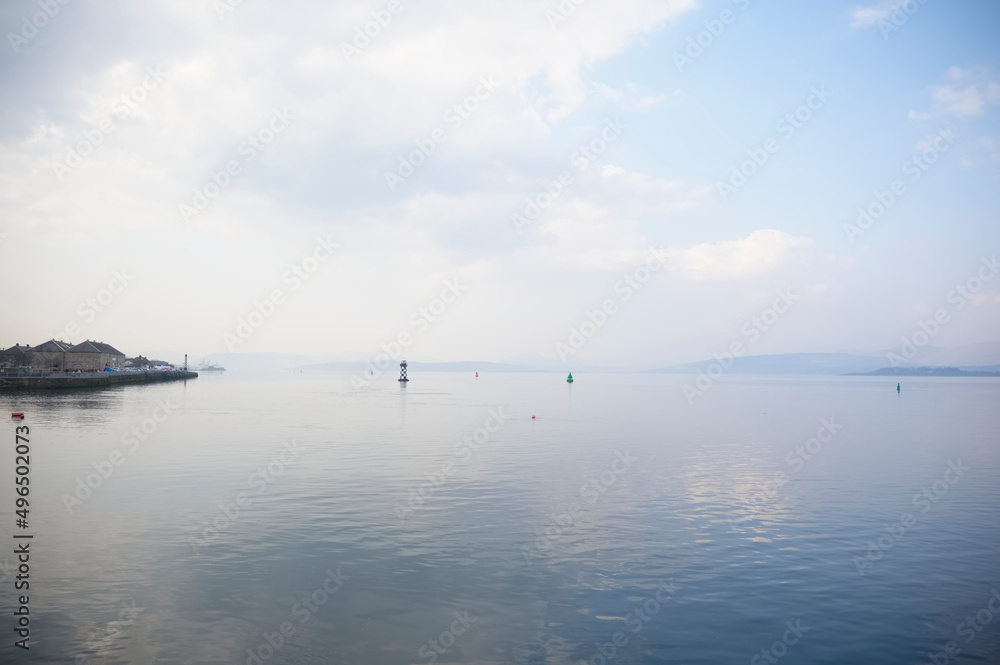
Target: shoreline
(93, 380)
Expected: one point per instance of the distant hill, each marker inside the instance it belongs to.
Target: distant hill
(968, 355)
(973, 360)
(535, 362)
(976, 360)
(460, 366)
(256, 362)
(925, 371)
(788, 363)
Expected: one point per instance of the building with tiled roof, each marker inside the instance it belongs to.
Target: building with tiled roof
(57, 356)
(93, 356)
(48, 355)
(13, 356)
(51, 346)
(107, 348)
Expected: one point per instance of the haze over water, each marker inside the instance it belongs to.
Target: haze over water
(692, 521)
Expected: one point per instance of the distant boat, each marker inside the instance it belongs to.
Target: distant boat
(569, 379)
(205, 367)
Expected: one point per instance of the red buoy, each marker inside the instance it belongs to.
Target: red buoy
(532, 417)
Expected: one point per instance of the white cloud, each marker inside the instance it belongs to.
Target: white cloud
(960, 100)
(590, 237)
(660, 194)
(586, 236)
(956, 73)
(643, 195)
(224, 78)
(630, 97)
(867, 16)
(992, 147)
(759, 253)
(966, 101)
(324, 174)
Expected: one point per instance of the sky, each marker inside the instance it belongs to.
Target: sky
(626, 183)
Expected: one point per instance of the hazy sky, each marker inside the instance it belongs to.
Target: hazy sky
(189, 154)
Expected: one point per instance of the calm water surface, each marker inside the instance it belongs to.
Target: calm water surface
(686, 533)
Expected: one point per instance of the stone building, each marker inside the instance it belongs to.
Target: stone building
(49, 356)
(13, 357)
(56, 356)
(93, 356)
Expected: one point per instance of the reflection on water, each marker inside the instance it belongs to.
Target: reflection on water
(209, 541)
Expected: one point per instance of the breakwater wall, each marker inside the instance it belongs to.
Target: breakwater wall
(88, 380)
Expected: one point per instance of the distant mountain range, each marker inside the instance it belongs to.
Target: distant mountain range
(416, 366)
(971, 358)
(974, 359)
(787, 363)
(982, 355)
(927, 371)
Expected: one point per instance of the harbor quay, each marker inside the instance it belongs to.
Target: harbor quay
(58, 365)
(17, 380)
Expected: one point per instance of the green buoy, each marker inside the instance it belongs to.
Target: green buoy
(569, 379)
(897, 387)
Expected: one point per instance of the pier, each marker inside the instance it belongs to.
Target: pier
(15, 380)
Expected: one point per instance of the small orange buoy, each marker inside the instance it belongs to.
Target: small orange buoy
(477, 375)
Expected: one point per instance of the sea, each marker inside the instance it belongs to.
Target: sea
(297, 517)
